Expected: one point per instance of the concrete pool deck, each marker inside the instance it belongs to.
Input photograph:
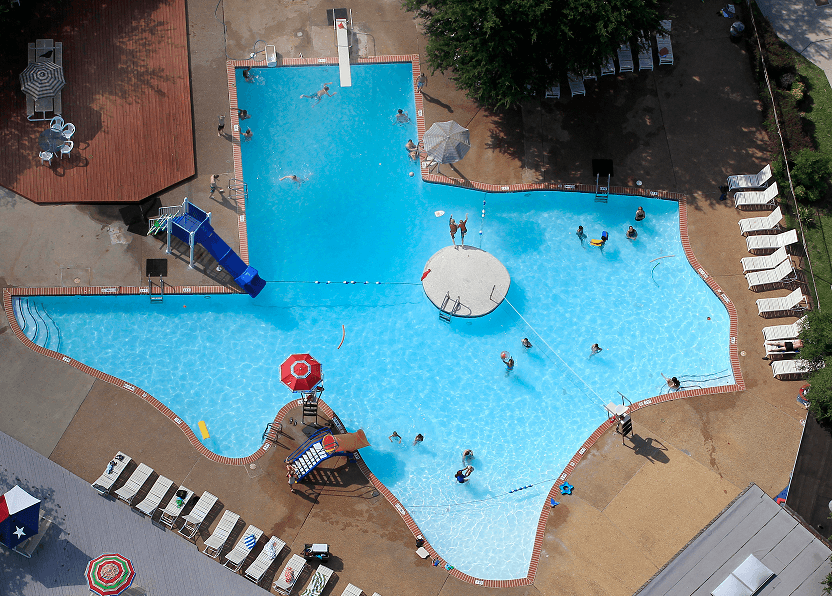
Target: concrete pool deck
(680, 129)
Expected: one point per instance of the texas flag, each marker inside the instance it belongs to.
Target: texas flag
(19, 515)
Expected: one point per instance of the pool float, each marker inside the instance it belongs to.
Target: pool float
(596, 242)
(203, 429)
(343, 332)
(566, 489)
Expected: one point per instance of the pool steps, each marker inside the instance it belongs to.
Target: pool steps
(36, 324)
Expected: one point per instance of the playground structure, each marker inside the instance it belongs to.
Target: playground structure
(192, 225)
(322, 445)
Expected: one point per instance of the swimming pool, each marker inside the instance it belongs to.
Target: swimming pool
(360, 217)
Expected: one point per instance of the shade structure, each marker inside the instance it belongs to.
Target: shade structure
(446, 142)
(110, 574)
(42, 79)
(19, 515)
(301, 372)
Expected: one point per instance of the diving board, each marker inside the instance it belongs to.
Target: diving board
(322, 445)
(343, 43)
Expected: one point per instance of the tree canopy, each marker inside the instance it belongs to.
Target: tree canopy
(500, 51)
(817, 337)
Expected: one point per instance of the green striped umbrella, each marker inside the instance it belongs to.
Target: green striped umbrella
(109, 575)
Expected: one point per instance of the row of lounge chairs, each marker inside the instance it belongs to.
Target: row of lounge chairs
(624, 55)
(772, 269)
(214, 544)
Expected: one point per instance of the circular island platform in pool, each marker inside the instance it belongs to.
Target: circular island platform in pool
(465, 281)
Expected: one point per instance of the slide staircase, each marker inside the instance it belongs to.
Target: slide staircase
(311, 453)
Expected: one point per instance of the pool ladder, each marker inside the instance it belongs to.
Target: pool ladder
(445, 315)
(161, 285)
(237, 189)
(602, 192)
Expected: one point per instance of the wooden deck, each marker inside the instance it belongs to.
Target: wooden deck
(128, 93)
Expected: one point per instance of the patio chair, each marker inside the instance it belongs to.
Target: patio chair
(134, 484)
(769, 244)
(664, 51)
(289, 575)
(792, 304)
(352, 590)
(764, 262)
(750, 181)
(175, 506)
(46, 156)
(114, 469)
(151, 502)
(317, 582)
(554, 92)
(757, 199)
(67, 130)
(770, 279)
(609, 67)
(761, 225)
(194, 519)
(625, 57)
(57, 123)
(791, 331)
(264, 560)
(215, 542)
(576, 84)
(234, 559)
(791, 370)
(66, 148)
(645, 54)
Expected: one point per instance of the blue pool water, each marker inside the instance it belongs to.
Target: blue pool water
(360, 217)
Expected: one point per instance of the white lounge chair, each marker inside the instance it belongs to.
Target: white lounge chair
(114, 469)
(576, 84)
(234, 560)
(757, 199)
(264, 560)
(764, 262)
(197, 515)
(755, 225)
(664, 51)
(769, 279)
(625, 57)
(791, 370)
(554, 92)
(780, 332)
(609, 67)
(214, 543)
(317, 582)
(765, 245)
(588, 76)
(792, 304)
(175, 506)
(645, 55)
(752, 181)
(134, 484)
(151, 502)
(289, 575)
(352, 590)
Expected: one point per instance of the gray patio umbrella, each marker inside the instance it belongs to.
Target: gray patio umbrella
(446, 142)
(42, 79)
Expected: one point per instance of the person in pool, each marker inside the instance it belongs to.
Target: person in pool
(452, 228)
(468, 455)
(526, 343)
(396, 436)
(631, 233)
(402, 117)
(580, 233)
(418, 439)
(673, 382)
(508, 361)
(595, 349)
(640, 214)
(463, 475)
(413, 150)
(461, 225)
(319, 95)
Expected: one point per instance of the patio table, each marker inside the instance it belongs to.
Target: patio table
(51, 140)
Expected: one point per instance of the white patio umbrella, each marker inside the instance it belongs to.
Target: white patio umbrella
(446, 142)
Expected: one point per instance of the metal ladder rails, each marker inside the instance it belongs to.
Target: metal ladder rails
(445, 315)
(161, 285)
(272, 432)
(602, 192)
(237, 189)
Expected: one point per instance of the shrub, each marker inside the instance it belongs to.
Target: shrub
(806, 216)
(819, 394)
(811, 173)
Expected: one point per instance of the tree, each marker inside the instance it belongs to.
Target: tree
(500, 51)
(817, 340)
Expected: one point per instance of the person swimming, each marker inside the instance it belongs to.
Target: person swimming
(463, 475)
(631, 233)
(319, 95)
(468, 455)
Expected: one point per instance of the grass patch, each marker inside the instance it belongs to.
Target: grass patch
(819, 110)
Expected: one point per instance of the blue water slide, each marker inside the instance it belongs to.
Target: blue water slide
(244, 276)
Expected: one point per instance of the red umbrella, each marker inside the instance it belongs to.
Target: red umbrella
(301, 372)
(109, 575)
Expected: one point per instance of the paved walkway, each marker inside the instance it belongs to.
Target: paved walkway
(805, 26)
(87, 525)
